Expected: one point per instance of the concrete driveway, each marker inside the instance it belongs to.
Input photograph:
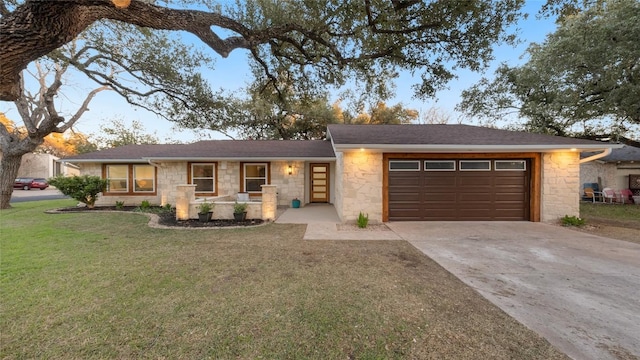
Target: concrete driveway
(580, 291)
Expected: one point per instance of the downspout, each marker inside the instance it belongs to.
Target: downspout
(605, 152)
(154, 164)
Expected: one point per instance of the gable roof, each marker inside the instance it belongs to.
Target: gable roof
(213, 150)
(459, 138)
(625, 153)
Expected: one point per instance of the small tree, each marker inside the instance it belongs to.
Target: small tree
(82, 188)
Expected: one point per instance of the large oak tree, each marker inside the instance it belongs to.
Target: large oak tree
(318, 43)
(583, 80)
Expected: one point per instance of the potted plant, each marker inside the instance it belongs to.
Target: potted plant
(239, 211)
(204, 211)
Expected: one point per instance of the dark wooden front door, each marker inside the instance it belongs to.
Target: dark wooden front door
(319, 183)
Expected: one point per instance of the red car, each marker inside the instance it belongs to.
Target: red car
(28, 183)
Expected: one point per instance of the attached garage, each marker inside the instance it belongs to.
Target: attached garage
(422, 187)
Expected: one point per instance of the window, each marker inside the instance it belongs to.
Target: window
(117, 178)
(203, 175)
(475, 165)
(404, 165)
(254, 175)
(510, 165)
(440, 165)
(144, 178)
(130, 179)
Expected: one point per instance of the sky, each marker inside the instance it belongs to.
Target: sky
(233, 73)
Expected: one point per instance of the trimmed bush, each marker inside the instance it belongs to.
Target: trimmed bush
(84, 189)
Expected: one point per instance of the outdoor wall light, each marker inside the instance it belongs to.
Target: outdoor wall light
(290, 170)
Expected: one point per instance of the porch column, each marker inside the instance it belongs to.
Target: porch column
(269, 202)
(186, 195)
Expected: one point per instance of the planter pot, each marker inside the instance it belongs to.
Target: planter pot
(205, 217)
(295, 203)
(240, 216)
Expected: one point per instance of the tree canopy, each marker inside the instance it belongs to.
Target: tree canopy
(326, 42)
(584, 79)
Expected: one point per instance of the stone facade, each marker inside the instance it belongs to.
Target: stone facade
(289, 186)
(171, 174)
(359, 185)
(560, 185)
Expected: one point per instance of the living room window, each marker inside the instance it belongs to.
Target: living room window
(204, 176)
(130, 178)
(253, 176)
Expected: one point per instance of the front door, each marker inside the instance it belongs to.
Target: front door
(319, 183)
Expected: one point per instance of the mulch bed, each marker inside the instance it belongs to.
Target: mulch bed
(168, 217)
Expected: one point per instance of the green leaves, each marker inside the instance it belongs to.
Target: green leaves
(584, 78)
(84, 189)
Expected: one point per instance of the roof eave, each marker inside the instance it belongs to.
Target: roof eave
(145, 160)
(473, 148)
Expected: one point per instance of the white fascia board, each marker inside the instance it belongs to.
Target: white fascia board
(472, 148)
(244, 159)
(106, 161)
(174, 159)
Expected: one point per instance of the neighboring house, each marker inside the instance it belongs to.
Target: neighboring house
(614, 170)
(391, 172)
(37, 165)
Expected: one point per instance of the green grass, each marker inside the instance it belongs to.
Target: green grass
(101, 285)
(610, 211)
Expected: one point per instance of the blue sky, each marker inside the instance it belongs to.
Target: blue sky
(233, 73)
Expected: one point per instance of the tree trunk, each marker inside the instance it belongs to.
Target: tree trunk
(9, 165)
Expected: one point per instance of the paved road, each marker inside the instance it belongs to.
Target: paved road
(35, 195)
(580, 291)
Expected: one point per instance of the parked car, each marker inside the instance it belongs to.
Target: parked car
(25, 183)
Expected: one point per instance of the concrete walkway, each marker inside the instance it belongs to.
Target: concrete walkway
(323, 223)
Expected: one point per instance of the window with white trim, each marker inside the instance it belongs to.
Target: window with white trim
(475, 165)
(255, 175)
(510, 165)
(440, 165)
(203, 175)
(404, 165)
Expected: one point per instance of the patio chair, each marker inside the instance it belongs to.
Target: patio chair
(626, 196)
(589, 190)
(590, 194)
(609, 195)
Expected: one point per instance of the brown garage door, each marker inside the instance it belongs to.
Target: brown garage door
(458, 189)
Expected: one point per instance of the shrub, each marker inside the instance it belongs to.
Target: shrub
(572, 221)
(119, 205)
(239, 208)
(205, 207)
(145, 205)
(84, 189)
(363, 220)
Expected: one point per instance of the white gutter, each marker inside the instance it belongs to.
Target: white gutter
(154, 164)
(605, 152)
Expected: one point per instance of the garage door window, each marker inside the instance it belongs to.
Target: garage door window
(447, 165)
(404, 165)
(508, 165)
(475, 165)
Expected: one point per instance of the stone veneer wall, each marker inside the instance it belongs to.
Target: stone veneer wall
(289, 186)
(359, 185)
(597, 172)
(170, 174)
(560, 185)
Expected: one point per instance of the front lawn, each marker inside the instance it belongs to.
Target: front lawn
(100, 285)
(616, 221)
